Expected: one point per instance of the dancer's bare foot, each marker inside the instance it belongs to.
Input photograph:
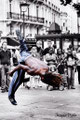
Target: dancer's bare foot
(10, 73)
(19, 35)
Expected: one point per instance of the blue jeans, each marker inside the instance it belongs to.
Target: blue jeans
(18, 76)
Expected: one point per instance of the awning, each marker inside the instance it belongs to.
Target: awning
(54, 27)
(59, 36)
(11, 41)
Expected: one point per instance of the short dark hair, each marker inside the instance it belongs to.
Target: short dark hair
(54, 46)
(4, 42)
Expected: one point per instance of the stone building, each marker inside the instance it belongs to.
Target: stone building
(37, 18)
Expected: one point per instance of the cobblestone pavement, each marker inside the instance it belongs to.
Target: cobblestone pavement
(40, 104)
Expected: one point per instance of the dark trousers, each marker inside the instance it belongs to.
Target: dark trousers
(78, 69)
(5, 79)
(16, 82)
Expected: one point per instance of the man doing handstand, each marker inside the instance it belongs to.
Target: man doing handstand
(32, 66)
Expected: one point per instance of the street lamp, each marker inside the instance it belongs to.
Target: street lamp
(10, 7)
(24, 7)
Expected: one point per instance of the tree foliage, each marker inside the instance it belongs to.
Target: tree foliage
(65, 2)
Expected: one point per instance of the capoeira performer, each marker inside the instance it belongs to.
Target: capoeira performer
(32, 66)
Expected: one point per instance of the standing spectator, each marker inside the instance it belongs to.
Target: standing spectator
(0, 67)
(51, 59)
(5, 56)
(39, 48)
(46, 50)
(60, 61)
(33, 80)
(71, 62)
(35, 53)
(55, 48)
(14, 56)
(78, 64)
(18, 56)
(61, 65)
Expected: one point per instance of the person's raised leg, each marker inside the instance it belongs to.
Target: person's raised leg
(15, 83)
(23, 46)
(24, 52)
(17, 77)
(11, 95)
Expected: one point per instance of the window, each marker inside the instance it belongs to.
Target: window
(46, 21)
(64, 24)
(66, 29)
(49, 3)
(46, 9)
(49, 23)
(56, 8)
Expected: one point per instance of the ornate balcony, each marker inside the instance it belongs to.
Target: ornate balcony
(40, 1)
(37, 1)
(15, 16)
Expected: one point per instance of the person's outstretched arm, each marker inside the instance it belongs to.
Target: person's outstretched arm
(20, 66)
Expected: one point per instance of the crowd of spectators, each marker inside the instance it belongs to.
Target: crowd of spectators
(59, 61)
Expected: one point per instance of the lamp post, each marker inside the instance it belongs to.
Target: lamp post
(24, 7)
(10, 7)
(0, 36)
(37, 11)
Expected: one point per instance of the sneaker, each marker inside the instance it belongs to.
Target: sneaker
(3, 91)
(50, 88)
(27, 87)
(73, 88)
(12, 100)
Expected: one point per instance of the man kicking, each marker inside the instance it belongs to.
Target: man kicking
(32, 66)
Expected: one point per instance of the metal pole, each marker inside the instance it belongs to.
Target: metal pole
(10, 8)
(54, 18)
(28, 12)
(23, 24)
(78, 22)
(37, 12)
(10, 17)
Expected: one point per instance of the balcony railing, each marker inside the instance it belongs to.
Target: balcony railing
(16, 16)
(37, 1)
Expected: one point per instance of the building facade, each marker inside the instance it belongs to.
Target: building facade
(37, 18)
